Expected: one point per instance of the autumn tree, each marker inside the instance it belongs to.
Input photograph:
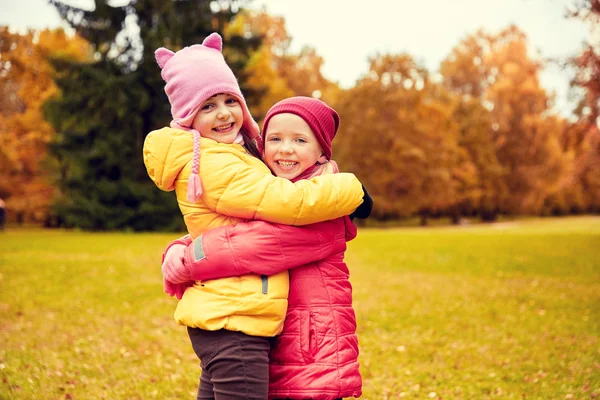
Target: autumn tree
(581, 138)
(473, 158)
(528, 163)
(465, 74)
(108, 106)
(397, 135)
(587, 63)
(261, 69)
(579, 189)
(276, 71)
(475, 137)
(302, 72)
(26, 82)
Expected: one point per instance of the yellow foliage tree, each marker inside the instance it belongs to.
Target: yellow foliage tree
(581, 139)
(397, 135)
(274, 70)
(525, 133)
(497, 71)
(26, 82)
(261, 69)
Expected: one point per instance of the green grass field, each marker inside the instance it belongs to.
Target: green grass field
(507, 311)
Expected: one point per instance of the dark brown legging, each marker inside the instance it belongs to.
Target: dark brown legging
(235, 366)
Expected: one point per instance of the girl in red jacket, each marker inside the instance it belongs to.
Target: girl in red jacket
(316, 356)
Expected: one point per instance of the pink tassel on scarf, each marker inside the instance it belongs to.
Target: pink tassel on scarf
(194, 188)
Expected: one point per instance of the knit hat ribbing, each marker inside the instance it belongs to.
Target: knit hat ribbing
(323, 120)
(193, 75)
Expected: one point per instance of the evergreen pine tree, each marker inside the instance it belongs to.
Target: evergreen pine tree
(107, 107)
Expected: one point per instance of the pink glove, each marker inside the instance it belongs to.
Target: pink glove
(173, 267)
(174, 271)
(176, 289)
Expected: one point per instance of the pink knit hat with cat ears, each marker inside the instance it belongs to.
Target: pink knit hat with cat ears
(193, 75)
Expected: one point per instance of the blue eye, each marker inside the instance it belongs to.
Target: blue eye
(273, 139)
(302, 140)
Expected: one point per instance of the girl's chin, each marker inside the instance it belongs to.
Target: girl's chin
(285, 173)
(225, 133)
(225, 137)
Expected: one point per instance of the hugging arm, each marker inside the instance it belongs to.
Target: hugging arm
(225, 177)
(250, 247)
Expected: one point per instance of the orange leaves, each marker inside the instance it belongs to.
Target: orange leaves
(263, 75)
(274, 71)
(522, 135)
(398, 135)
(27, 83)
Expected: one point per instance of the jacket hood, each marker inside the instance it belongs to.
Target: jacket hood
(166, 152)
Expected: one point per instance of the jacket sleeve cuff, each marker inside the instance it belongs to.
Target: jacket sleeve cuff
(184, 240)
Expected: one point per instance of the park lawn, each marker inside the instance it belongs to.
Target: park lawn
(507, 311)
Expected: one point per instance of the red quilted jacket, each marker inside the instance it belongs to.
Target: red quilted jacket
(316, 356)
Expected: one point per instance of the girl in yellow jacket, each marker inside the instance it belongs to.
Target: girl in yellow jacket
(209, 157)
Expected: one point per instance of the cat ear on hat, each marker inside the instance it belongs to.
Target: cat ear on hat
(163, 55)
(214, 41)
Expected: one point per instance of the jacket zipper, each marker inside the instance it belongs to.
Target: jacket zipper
(265, 283)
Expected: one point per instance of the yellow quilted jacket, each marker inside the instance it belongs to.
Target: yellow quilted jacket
(237, 186)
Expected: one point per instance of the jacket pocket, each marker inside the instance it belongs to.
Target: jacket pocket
(308, 337)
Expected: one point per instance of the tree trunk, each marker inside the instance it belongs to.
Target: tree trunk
(455, 218)
(489, 216)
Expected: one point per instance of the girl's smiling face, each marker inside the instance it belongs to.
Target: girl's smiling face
(219, 118)
(291, 146)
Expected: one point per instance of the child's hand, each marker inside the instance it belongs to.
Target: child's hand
(364, 210)
(174, 271)
(176, 289)
(173, 266)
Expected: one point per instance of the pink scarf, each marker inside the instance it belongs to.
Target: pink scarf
(316, 170)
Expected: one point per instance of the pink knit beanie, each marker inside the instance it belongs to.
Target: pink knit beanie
(193, 75)
(323, 120)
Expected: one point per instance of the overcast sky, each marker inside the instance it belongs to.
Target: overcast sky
(346, 32)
